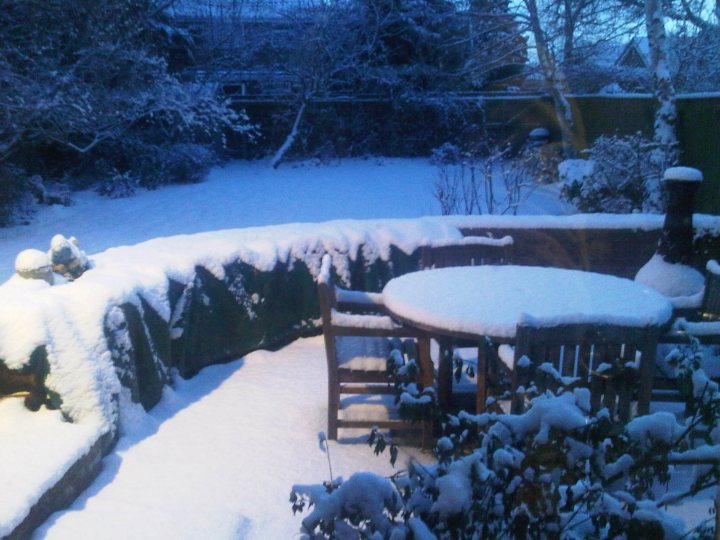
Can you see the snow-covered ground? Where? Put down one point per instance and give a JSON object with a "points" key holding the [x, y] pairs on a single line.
{"points": [[245, 194], [217, 457]]}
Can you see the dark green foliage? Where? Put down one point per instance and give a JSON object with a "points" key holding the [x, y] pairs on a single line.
{"points": [[117, 335], [87, 92], [215, 325], [138, 341], [150, 374], [216, 320], [158, 332]]}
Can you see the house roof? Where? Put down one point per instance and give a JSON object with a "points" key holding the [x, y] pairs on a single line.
{"points": [[635, 54]]}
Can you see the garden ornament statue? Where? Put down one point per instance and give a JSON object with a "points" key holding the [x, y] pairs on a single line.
{"points": [[64, 261]]}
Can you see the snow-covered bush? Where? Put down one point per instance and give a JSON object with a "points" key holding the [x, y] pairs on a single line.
{"points": [[119, 185], [181, 163], [471, 182], [83, 94], [623, 179], [556, 471], [186, 163]]}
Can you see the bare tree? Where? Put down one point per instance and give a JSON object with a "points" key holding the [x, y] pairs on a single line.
{"points": [[327, 49], [568, 33]]}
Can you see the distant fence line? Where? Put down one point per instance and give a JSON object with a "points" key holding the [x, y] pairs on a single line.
{"points": [[340, 127]]}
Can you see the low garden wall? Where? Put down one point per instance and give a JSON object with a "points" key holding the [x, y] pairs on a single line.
{"points": [[110, 341]]}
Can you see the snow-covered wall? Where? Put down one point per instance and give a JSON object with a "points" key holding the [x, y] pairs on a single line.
{"points": [[112, 339]]}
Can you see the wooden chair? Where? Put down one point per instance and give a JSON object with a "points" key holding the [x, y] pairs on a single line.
{"points": [[703, 323], [358, 341], [615, 362], [468, 251]]}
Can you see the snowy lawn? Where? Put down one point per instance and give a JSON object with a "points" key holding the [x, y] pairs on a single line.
{"points": [[245, 194], [217, 457]]}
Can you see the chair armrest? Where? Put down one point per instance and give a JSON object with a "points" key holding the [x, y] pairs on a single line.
{"points": [[359, 300], [353, 324], [682, 330]]}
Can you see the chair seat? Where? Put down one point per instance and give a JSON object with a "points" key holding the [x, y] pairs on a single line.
{"points": [[362, 353]]}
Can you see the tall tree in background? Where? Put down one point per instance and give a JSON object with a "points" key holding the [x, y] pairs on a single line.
{"points": [[666, 112], [496, 50], [568, 36], [391, 47], [327, 46], [555, 79]]}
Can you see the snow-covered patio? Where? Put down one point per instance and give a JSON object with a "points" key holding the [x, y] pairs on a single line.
{"points": [[218, 456]]}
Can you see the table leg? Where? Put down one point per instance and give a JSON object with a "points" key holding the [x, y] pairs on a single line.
{"points": [[426, 378], [445, 373], [482, 376]]}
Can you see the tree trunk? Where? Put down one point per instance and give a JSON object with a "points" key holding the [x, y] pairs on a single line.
{"points": [[557, 82], [666, 113], [290, 139]]}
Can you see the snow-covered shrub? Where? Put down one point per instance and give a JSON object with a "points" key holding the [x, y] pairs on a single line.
{"points": [[187, 163], [490, 181], [624, 177], [556, 471], [541, 161], [82, 106], [119, 185], [180, 163]]}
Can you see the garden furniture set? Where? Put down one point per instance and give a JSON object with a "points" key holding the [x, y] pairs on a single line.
{"points": [[538, 326]]}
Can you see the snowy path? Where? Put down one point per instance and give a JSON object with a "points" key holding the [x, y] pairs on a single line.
{"points": [[217, 457]]}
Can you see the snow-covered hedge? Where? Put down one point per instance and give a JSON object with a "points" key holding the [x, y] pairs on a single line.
{"points": [[112, 338]]}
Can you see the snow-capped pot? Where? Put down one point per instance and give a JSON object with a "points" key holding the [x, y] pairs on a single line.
{"points": [[538, 137], [669, 271], [683, 174], [66, 257], [34, 264]]}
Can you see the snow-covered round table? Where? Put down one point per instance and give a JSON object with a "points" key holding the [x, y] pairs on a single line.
{"points": [[479, 301]]}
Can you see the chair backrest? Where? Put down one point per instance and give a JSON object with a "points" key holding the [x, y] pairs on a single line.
{"points": [[615, 362], [468, 251], [711, 299]]}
